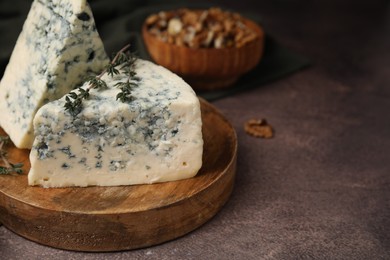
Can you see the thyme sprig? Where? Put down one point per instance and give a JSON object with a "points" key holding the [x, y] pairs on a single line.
{"points": [[8, 168], [74, 101]]}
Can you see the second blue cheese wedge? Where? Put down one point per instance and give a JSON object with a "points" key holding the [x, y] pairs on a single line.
{"points": [[156, 137], [57, 48]]}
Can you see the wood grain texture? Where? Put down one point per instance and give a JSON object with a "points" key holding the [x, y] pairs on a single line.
{"points": [[129, 217]]}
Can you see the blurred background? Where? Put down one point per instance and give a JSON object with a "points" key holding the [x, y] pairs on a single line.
{"points": [[307, 27], [320, 189]]}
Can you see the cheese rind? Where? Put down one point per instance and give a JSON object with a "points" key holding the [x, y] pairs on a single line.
{"points": [[157, 137], [58, 46]]}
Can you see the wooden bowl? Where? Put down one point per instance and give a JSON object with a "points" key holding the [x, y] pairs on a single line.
{"points": [[207, 68]]}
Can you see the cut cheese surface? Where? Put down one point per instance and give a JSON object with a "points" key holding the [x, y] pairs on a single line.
{"points": [[156, 137], [57, 48]]}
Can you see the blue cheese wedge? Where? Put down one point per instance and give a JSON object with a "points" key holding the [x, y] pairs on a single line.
{"points": [[58, 46], [156, 137]]}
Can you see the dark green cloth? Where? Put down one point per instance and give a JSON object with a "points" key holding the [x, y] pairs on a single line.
{"points": [[119, 22]]}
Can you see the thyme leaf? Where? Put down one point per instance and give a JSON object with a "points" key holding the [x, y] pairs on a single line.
{"points": [[8, 168], [74, 100]]}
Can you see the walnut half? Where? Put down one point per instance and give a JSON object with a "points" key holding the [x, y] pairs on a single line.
{"points": [[259, 128]]}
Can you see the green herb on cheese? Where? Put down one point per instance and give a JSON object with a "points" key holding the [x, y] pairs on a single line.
{"points": [[8, 168], [126, 61]]}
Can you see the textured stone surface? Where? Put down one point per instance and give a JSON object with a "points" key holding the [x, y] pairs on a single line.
{"points": [[320, 188]]}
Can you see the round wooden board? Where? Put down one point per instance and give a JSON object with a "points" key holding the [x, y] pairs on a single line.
{"points": [[126, 217]]}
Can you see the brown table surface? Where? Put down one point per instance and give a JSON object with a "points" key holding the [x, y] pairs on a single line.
{"points": [[320, 189]]}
